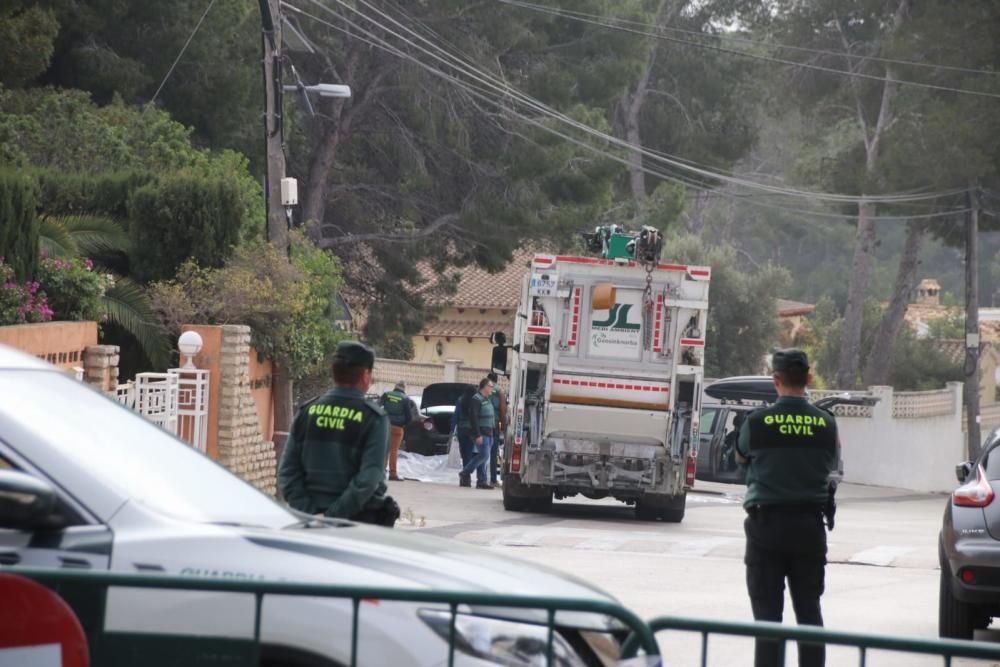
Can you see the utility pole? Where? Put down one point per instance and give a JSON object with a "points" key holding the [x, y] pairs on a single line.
{"points": [[972, 323], [277, 222]]}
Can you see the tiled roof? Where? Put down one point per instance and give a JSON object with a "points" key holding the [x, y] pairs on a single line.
{"points": [[468, 328], [788, 308], [925, 312], [954, 348], [478, 288]]}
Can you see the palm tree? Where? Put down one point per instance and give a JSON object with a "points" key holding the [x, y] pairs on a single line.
{"points": [[126, 304]]}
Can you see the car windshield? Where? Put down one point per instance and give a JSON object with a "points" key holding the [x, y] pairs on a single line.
{"points": [[123, 451]]}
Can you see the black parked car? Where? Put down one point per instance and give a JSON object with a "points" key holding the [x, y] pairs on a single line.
{"points": [[720, 422], [969, 547], [430, 432]]}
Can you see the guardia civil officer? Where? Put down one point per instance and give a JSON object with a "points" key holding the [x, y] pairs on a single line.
{"points": [[334, 459], [790, 448], [397, 406]]}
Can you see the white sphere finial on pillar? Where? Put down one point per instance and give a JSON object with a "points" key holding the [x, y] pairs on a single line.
{"points": [[189, 344]]}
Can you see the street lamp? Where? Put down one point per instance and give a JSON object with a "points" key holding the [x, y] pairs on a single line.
{"points": [[321, 89]]}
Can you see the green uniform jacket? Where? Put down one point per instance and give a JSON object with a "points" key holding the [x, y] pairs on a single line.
{"points": [[482, 421], [334, 459], [791, 449]]}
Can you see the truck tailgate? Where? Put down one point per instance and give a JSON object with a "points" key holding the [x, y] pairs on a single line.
{"points": [[604, 425]]}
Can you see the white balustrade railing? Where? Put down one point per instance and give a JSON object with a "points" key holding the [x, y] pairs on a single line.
{"points": [[177, 401]]}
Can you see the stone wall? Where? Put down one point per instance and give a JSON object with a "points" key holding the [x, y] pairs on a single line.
{"points": [[100, 367], [241, 446]]}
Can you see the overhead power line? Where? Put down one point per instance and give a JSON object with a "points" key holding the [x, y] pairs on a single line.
{"points": [[755, 42], [502, 87], [744, 54], [181, 54], [492, 98]]}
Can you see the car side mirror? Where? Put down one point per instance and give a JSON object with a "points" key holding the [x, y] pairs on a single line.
{"points": [[25, 502], [963, 470]]}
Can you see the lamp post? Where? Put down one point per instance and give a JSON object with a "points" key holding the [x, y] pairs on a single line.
{"points": [[280, 194]]}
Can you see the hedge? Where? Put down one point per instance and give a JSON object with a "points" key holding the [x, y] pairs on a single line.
{"points": [[183, 215], [19, 224]]}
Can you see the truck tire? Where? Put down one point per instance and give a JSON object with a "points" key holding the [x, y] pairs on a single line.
{"points": [[667, 508], [956, 619], [511, 502], [517, 497]]}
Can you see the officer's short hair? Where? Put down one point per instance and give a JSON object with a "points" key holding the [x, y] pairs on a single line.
{"points": [[484, 382], [347, 375], [792, 365]]}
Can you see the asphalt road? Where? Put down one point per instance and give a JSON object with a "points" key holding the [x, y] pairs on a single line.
{"points": [[882, 577]]}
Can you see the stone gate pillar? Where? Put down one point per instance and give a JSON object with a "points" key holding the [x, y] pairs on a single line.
{"points": [[236, 429]]}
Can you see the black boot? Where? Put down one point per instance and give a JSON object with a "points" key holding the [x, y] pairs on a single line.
{"points": [[464, 479]]}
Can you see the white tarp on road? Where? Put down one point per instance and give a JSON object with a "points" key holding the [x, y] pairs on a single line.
{"points": [[440, 468]]}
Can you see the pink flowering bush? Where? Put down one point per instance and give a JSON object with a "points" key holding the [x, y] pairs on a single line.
{"points": [[21, 303], [74, 290]]}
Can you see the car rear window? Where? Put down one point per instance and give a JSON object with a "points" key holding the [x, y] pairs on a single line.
{"points": [[991, 460]]}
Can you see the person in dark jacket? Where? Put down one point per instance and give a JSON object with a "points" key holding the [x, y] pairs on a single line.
{"points": [[481, 425], [460, 426], [397, 406], [790, 448], [334, 460]]}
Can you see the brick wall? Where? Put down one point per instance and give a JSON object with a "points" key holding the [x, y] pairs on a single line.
{"points": [[241, 446]]}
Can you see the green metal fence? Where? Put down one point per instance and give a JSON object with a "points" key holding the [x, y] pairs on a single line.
{"points": [[863, 642], [642, 636]]}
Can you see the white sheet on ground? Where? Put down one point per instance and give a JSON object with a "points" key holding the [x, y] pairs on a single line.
{"points": [[439, 468]]}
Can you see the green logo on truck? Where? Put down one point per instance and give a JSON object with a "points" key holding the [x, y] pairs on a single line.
{"points": [[618, 319]]}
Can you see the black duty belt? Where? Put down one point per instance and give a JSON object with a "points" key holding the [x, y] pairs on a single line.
{"points": [[785, 508]]}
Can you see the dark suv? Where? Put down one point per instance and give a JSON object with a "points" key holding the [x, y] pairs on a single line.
{"points": [[720, 422], [430, 432], [969, 547]]}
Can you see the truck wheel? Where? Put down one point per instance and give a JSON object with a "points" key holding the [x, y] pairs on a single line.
{"points": [[519, 498], [667, 508], [513, 503], [956, 619]]}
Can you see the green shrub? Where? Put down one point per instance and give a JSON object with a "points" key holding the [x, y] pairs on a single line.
{"points": [[18, 224], [75, 291], [183, 215], [290, 306], [62, 192]]}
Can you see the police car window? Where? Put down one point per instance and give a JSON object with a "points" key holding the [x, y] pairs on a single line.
{"points": [[107, 446], [6, 465]]}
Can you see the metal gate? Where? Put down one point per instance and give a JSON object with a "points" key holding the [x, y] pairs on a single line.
{"points": [[177, 401]]}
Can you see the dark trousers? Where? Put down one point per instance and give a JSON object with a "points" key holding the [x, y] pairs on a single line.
{"points": [[466, 447], [785, 544]]}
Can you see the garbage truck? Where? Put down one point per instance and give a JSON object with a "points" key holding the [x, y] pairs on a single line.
{"points": [[606, 367]]}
